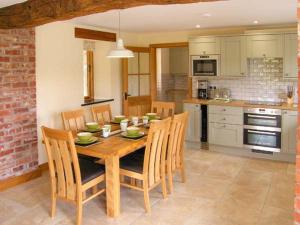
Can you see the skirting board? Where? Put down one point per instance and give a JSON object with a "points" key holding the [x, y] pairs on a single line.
{"points": [[14, 181]]}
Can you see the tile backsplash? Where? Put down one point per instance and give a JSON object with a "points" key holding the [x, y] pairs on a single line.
{"points": [[264, 82]]}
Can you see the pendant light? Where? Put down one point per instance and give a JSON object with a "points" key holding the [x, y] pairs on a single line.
{"points": [[120, 51]]}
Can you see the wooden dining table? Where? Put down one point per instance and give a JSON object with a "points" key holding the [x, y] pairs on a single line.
{"points": [[111, 149]]}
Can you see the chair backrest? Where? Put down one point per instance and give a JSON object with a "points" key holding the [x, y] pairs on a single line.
{"points": [[63, 163], [102, 113], [163, 109], [73, 120], [138, 105], [155, 152], [176, 140]]}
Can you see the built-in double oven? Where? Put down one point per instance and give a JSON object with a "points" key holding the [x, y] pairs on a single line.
{"points": [[262, 129]]}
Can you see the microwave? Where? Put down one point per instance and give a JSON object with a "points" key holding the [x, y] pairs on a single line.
{"points": [[205, 65]]}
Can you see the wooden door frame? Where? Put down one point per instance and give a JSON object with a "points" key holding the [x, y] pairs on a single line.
{"points": [[153, 75], [125, 74]]}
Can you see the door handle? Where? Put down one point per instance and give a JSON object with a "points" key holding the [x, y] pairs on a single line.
{"points": [[261, 132], [126, 95]]}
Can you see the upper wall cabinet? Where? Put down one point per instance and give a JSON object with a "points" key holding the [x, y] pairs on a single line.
{"points": [[204, 46], [233, 56], [265, 45], [290, 56]]}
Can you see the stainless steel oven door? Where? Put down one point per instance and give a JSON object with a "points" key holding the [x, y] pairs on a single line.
{"points": [[261, 120], [262, 140]]}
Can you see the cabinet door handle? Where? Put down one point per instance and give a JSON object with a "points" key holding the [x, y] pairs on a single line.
{"points": [[242, 73], [264, 55], [286, 74]]}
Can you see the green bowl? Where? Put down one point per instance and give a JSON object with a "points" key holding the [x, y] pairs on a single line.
{"points": [[92, 125], [84, 136], [132, 131], [151, 116], [118, 119]]}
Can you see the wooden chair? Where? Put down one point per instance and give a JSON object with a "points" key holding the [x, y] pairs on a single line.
{"points": [[74, 120], [70, 177], [163, 109], [102, 114], [175, 152], [150, 169]]}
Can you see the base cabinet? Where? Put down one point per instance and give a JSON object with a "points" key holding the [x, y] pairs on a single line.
{"points": [[289, 132], [193, 131], [226, 134]]}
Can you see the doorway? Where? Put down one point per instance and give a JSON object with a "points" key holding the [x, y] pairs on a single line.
{"points": [[172, 69]]}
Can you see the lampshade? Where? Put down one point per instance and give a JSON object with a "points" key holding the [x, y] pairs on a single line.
{"points": [[120, 51]]}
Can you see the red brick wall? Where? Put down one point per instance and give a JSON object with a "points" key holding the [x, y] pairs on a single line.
{"points": [[18, 130]]}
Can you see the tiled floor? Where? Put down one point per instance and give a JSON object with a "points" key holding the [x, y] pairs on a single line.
{"points": [[220, 190]]}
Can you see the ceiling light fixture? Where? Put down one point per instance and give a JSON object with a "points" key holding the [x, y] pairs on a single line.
{"points": [[198, 26], [206, 15], [120, 51], [255, 21]]}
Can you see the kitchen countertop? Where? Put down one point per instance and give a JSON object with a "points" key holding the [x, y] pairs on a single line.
{"points": [[239, 103]]}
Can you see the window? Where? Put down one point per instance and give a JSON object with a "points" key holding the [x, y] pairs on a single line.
{"points": [[88, 75]]}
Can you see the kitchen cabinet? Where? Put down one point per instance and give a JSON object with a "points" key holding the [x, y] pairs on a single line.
{"points": [[226, 134], [225, 110], [193, 131], [265, 45], [225, 125], [290, 56], [204, 46], [289, 131], [233, 56]]}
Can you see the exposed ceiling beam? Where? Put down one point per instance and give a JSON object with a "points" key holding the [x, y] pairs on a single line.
{"points": [[37, 12]]}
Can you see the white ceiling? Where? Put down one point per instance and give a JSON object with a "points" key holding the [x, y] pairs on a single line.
{"points": [[187, 16], [4, 3]]}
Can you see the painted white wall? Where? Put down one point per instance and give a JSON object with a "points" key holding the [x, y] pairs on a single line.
{"points": [[59, 76]]}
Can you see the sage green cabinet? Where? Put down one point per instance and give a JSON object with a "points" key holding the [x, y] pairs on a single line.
{"points": [[290, 56], [204, 46], [225, 125], [193, 131], [265, 45], [233, 56], [226, 134], [289, 131]]}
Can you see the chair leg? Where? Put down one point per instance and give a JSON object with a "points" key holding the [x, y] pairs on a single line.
{"points": [[122, 179], [53, 204], [79, 213], [182, 173], [164, 187], [146, 197], [170, 180], [132, 181], [95, 189]]}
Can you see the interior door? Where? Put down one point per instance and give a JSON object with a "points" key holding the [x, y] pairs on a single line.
{"points": [[137, 83]]}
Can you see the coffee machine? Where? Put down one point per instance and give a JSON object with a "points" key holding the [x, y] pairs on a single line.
{"points": [[203, 89]]}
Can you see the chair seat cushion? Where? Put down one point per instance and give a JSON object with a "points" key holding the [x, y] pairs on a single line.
{"points": [[138, 154], [90, 170], [132, 163]]}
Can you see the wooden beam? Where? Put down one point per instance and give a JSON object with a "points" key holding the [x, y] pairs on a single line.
{"points": [[37, 12], [94, 35], [170, 45]]}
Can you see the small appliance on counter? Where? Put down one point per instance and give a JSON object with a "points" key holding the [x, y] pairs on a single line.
{"points": [[202, 89], [290, 95]]}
